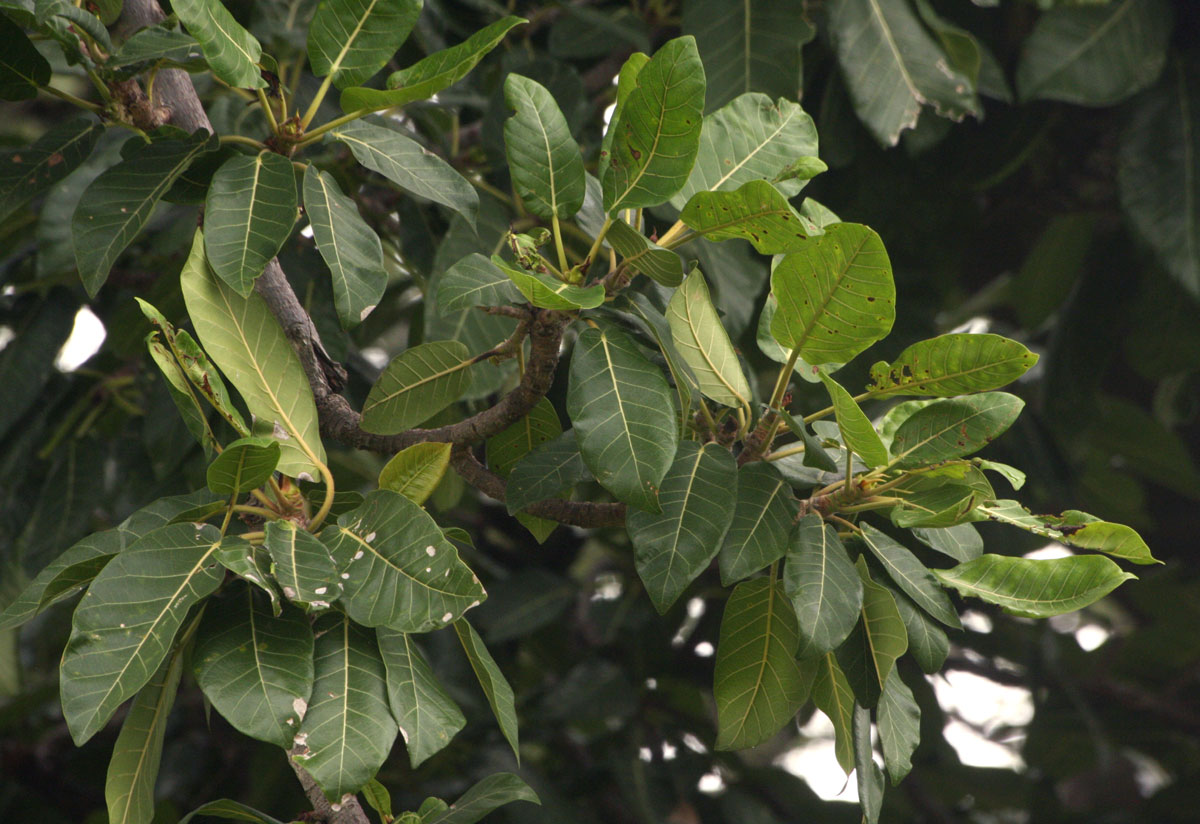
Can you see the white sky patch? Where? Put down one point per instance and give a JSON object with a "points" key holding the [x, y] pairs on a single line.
{"points": [[976, 621], [704, 650], [85, 340], [375, 356], [982, 706], [6, 336], [307, 231], [711, 784], [975, 750], [1091, 636], [1049, 552], [608, 113]]}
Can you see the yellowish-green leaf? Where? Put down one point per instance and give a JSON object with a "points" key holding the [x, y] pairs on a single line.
{"points": [[1036, 588], [417, 384], [704, 344], [416, 471]]}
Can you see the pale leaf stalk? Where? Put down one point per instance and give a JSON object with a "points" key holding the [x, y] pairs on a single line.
{"points": [[558, 243], [595, 250], [268, 111]]}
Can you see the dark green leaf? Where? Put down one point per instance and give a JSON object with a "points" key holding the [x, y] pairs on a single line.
{"points": [[161, 44], [1036, 588], [832, 695], [232, 52], [417, 384], [952, 365], [543, 158], [911, 576], [878, 640], [899, 720], [22, 67], [762, 519], [491, 679], [245, 464], [230, 810], [822, 585], [302, 565], [30, 171], [641, 254], [867, 773], [507, 448], [492, 792], [943, 496], [949, 429], [756, 212], [350, 40], [927, 642], [475, 281], [962, 542], [62, 577], [427, 716], [545, 471], [27, 361]]}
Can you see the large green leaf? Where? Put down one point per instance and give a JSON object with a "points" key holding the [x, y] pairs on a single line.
{"points": [[427, 716], [626, 83], [876, 642], [758, 686], [928, 643], [1095, 55], [641, 254], [430, 75], [623, 417], [657, 131], [244, 339], [671, 548], [133, 769], [961, 542], [892, 67], [704, 345], [248, 215], [416, 471], [475, 281], [1036, 588], [1075, 528], [125, 625], [1158, 171], [506, 449], [495, 686], [118, 203], [245, 464], [398, 570], [953, 364], [256, 668], [302, 565], [749, 46], [836, 297], [545, 471], [22, 67], [350, 40], [762, 519], [62, 577], [348, 730], [913, 577], [494, 791], [548, 292], [832, 695], [406, 163], [821, 583], [232, 52], [350, 247], [952, 428], [899, 721], [751, 138], [417, 384], [543, 158], [31, 170], [756, 212], [858, 433]]}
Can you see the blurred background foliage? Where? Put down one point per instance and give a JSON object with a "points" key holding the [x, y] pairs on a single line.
{"points": [[1034, 170]]}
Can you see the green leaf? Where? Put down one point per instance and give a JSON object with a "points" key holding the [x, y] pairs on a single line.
{"points": [[892, 67], [644, 313], [927, 642], [762, 519], [379, 799], [704, 344], [961, 542], [832, 695], [475, 281], [507, 448], [1036, 588], [231, 810], [22, 67], [1014, 476], [626, 83], [876, 642], [348, 730], [232, 53], [899, 721], [407, 164], [821, 583], [543, 158], [350, 40], [955, 364], [239, 557], [350, 247], [1158, 171], [913, 577], [751, 138], [133, 769], [836, 297], [868, 776], [858, 433], [749, 45], [195, 416], [248, 215], [245, 464], [256, 668], [950, 429], [245, 340], [548, 292], [491, 679], [492, 792], [398, 570], [1074, 528], [944, 496], [126, 623], [302, 565], [118, 203], [771, 348], [31, 170], [427, 715], [671, 548], [545, 471], [641, 254], [81, 19], [416, 471], [62, 577], [756, 212], [657, 131], [758, 686], [814, 454], [417, 384], [161, 45], [1095, 55], [430, 75], [624, 420]]}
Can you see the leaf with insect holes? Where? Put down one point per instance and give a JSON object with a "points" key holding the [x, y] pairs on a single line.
{"points": [[756, 212]]}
